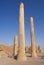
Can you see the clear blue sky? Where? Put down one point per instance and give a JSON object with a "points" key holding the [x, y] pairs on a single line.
{"points": [[9, 19]]}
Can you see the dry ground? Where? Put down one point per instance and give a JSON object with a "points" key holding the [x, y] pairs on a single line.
{"points": [[5, 60]]}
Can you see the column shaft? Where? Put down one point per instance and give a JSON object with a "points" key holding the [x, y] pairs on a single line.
{"points": [[21, 55], [15, 46], [33, 46]]}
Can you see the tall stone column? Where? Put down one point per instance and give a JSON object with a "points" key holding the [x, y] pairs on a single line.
{"points": [[21, 55], [33, 46], [15, 46]]}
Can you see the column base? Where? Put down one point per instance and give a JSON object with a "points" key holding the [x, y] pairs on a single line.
{"points": [[22, 57], [34, 54]]}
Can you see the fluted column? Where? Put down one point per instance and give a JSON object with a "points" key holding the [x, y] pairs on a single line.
{"points": [[15, 46], [33, 46], [21, 55]]}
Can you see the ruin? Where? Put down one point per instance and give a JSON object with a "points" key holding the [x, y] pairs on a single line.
{"points": [[33, 46], [21, 54], [15, 46]]}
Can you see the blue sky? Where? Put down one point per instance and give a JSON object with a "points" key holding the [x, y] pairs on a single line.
{"points": [[9, 20]]}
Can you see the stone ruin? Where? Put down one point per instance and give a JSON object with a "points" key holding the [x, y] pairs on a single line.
{"points": [[21, 43]]}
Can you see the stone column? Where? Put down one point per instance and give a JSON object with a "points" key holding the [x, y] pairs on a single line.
{"points": [[33, 46], [21, 55], [15, 46]]}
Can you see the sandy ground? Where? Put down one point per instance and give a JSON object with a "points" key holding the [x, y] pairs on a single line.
{"points": [[5, 60]]}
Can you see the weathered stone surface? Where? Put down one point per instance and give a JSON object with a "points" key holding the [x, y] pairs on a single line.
{"points": [[33, 46], [15, 46], [0, 56], [21, 55]]}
